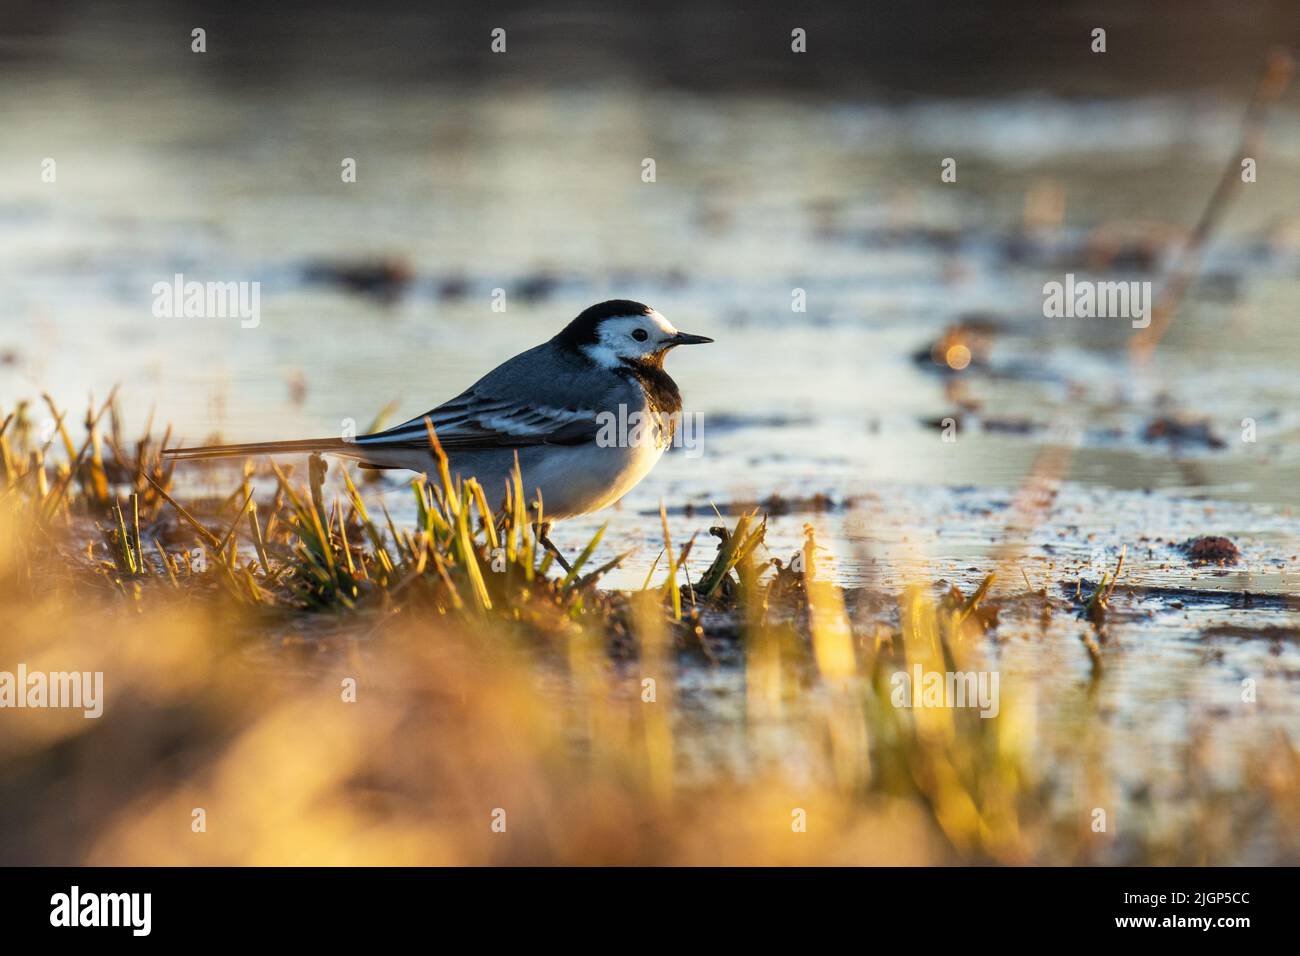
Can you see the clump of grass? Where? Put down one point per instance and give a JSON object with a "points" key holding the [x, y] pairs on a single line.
{"points": [[1098, 603], [968, 769], [303, 550], [52, 486], [736, 550], [462, 557]]}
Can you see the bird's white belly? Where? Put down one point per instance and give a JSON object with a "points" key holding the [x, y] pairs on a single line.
{"points": [[576, 481]]}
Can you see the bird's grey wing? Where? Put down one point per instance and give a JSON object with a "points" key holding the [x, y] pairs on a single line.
{"points": [[537, 398]]}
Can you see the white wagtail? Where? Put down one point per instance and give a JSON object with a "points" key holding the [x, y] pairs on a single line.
{"points": [[546, 406]]}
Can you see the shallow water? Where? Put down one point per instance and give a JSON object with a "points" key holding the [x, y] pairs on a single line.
{"points": [[543, 191]]}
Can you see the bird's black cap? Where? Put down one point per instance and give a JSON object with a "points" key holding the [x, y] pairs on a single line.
{"points": [[582, 330]]}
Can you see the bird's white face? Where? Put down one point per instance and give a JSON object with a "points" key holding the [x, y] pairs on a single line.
{"points": [[634, 337]]}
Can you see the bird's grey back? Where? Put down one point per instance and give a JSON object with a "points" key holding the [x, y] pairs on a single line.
{"points": [[547, 376]]}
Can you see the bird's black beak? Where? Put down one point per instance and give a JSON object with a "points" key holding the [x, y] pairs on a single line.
{"points": [[685, 338]]}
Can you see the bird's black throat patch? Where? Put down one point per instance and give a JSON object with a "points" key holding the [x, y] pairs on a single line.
{"points": [[661, 391]]}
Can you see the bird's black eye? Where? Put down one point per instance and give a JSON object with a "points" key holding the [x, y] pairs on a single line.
{"points": [[640, 334]]}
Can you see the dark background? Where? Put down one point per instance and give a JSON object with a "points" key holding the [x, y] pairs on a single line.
{"points": [[895, 48]]}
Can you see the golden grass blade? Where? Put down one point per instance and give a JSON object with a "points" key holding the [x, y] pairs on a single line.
{"points": [[584, 556]]}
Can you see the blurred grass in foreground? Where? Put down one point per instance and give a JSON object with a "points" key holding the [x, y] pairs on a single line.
{"points": [[227, 631]]}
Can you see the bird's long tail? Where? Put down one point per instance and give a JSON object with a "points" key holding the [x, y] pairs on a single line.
{"points": [[302, 446]]}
